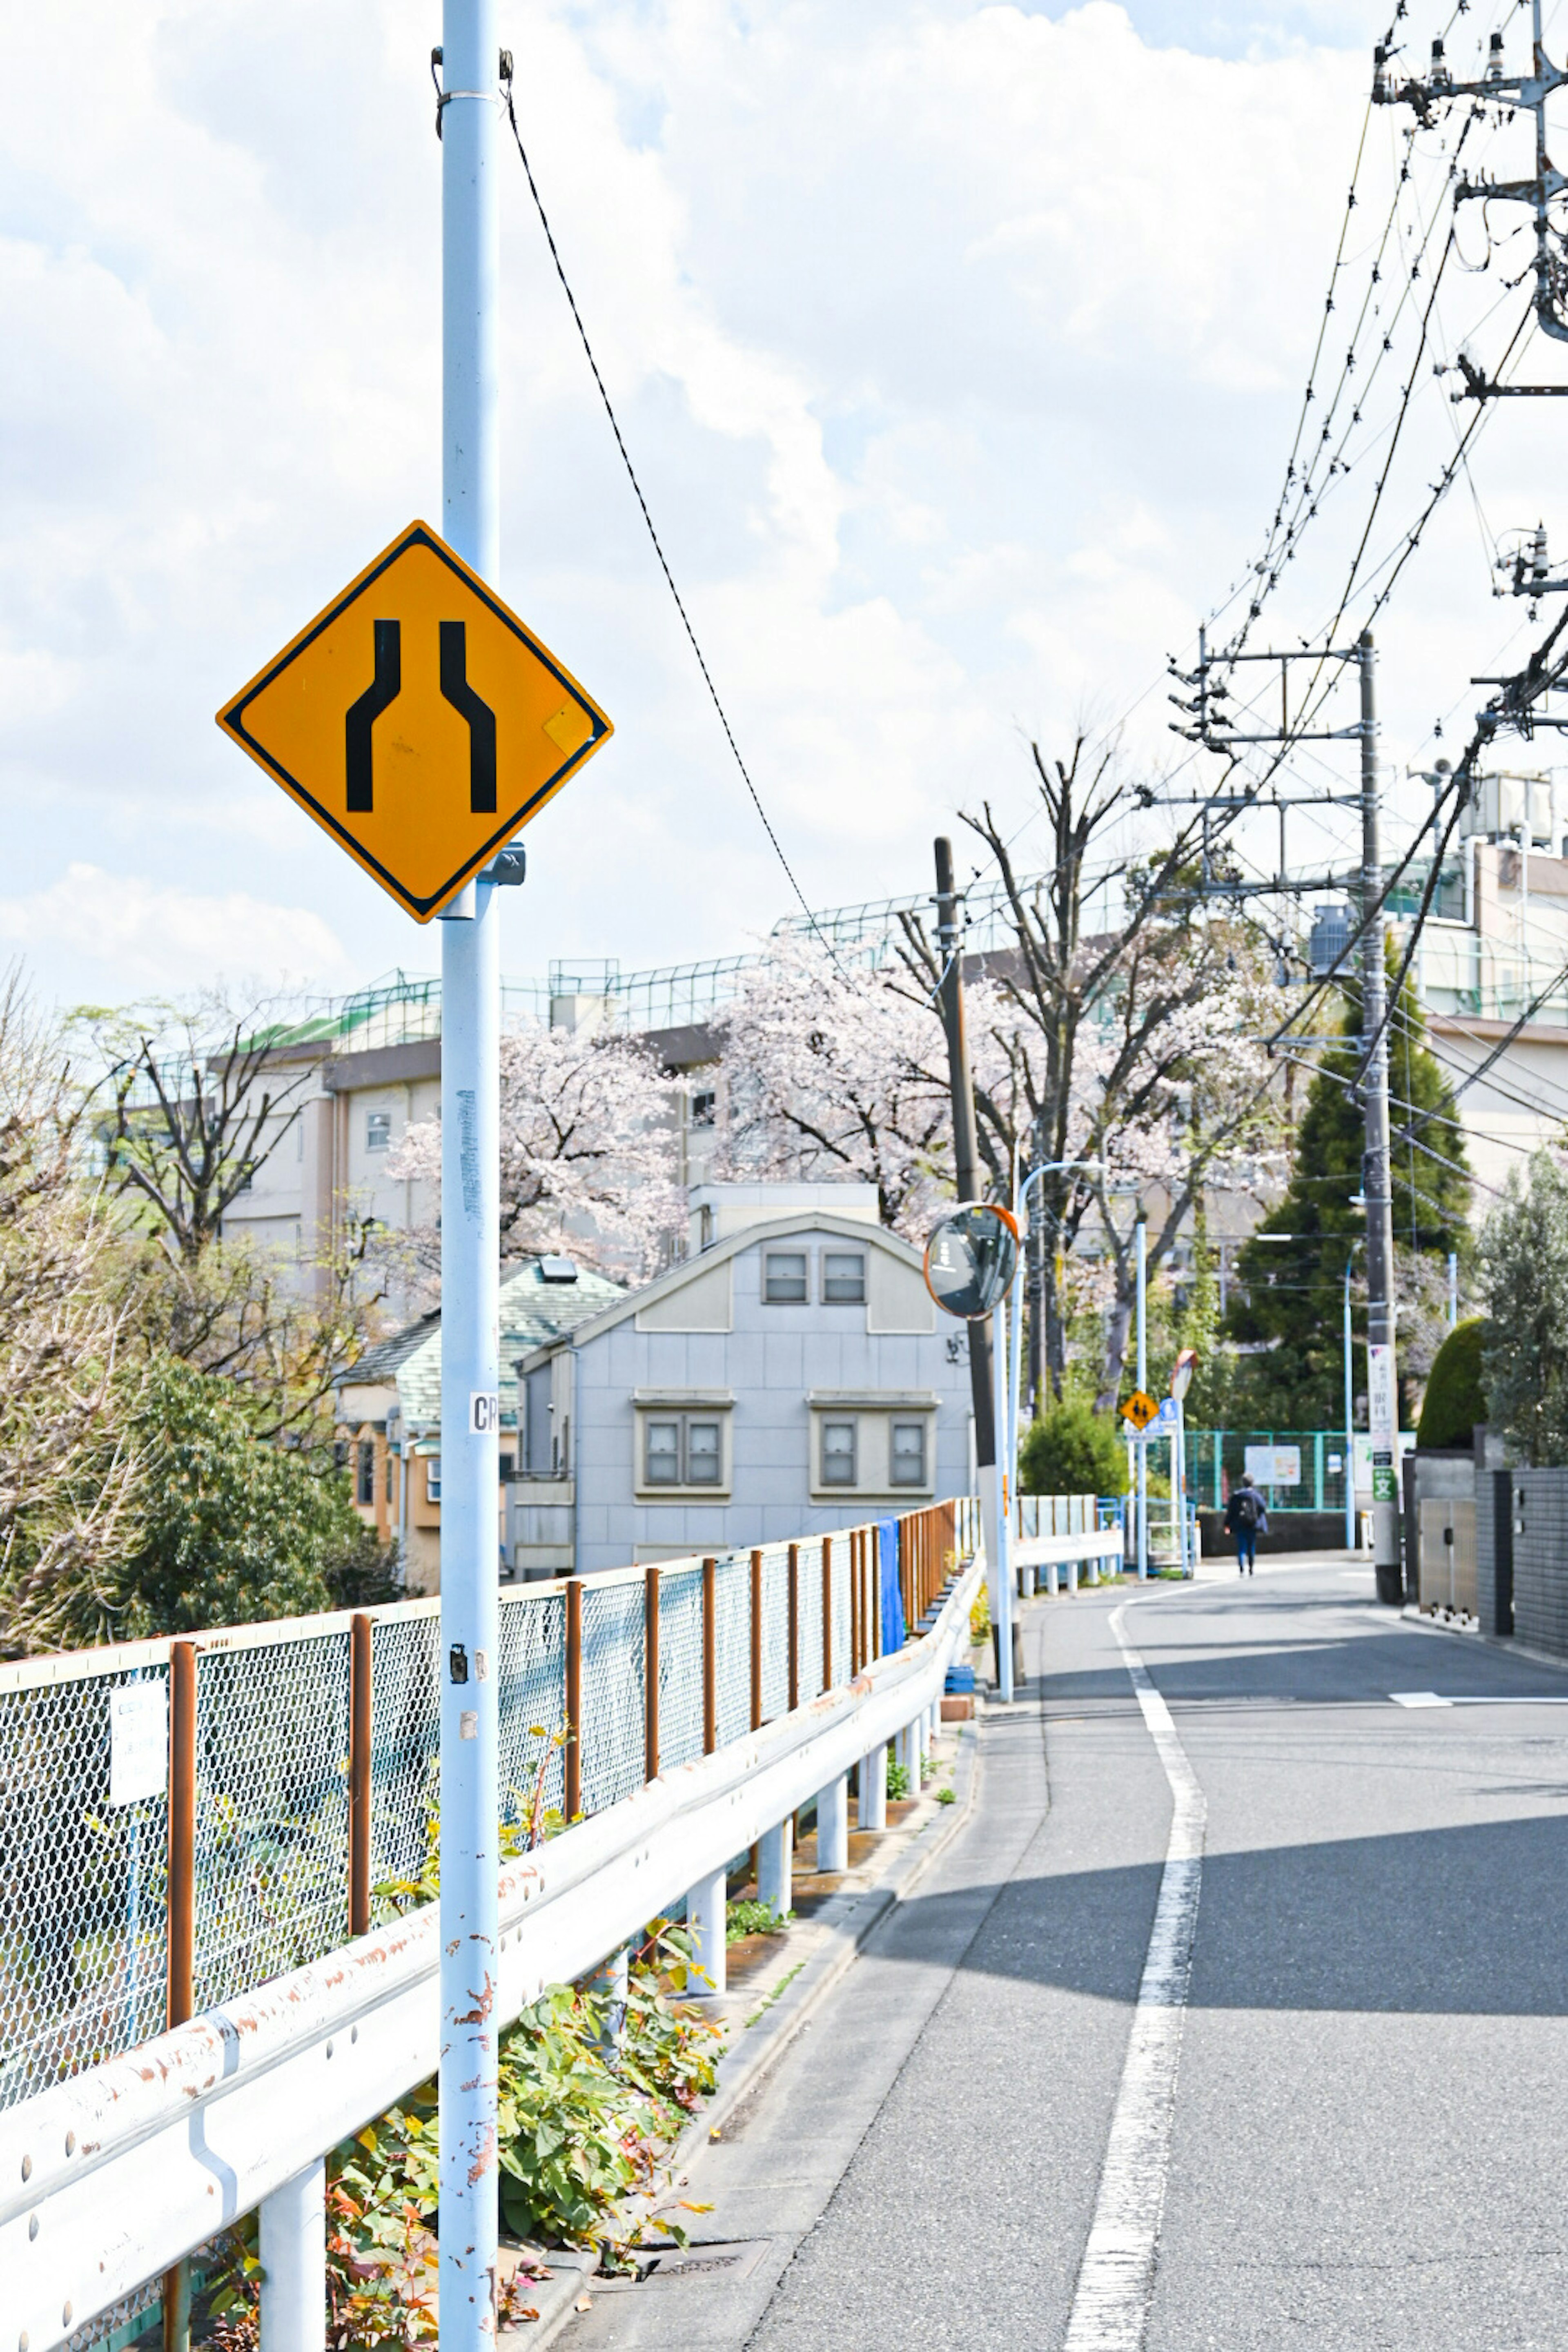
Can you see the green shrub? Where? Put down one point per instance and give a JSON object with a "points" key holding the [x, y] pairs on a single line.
{"points": [[742, 1918], [1455, 1400], [236, 1528], [1072, 1451], [897, 1781]]}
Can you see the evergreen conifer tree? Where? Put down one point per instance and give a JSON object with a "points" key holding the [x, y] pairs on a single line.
{"points": [[1289, 1290]]}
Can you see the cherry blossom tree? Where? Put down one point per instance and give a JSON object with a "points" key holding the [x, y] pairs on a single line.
{"points": [[1132, 1045], [588, 1159], [838, 1074]]}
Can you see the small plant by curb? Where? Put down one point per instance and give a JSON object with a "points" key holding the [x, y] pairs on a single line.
{"points": [[748, 1918]]}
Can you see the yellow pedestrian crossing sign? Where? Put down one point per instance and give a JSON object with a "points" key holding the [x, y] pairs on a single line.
{"points": [[1139, 1409], [418, 721]]}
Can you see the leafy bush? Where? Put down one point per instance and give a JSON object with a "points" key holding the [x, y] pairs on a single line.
{"points": [[743, 1919], [234, 1527], [1072, 1450], [947, 1796], [897, 1781], [1455, 1400]]}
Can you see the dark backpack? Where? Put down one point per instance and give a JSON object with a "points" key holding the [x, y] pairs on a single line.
{"points": [[1246, 1509]]}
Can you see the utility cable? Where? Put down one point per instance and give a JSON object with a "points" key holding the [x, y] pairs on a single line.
{"points": [[653, 535]]}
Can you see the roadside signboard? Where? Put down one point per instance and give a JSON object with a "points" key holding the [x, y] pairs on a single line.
{"points": [[1139, 1409], [1273, 1465], [418, 721], [970, 1258]]}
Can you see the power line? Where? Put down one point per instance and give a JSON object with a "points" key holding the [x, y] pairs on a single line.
{"points": [[653, 535]]}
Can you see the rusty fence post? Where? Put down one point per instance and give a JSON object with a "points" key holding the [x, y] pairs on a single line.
{"points": [[573, 1697], [361, 1654], [180, 1992], [709, 1656], [650, 1670], [793, 1627], [854, 1602], [756, 1641]]}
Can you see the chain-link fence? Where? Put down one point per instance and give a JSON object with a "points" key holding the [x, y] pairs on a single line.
{"points": [[245, 1760]]}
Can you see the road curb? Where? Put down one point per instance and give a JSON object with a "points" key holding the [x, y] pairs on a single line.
{"points": [[1504, 1644], [760, 2046]]}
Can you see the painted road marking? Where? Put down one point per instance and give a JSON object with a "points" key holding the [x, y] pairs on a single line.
{"points": [[1431, 1698], [1116, 2282]]}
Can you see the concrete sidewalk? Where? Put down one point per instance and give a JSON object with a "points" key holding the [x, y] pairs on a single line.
{"points": [[954, 2091]]}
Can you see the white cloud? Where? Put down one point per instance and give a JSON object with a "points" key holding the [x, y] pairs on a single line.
{"points": [[100, 936], [958, 348]]}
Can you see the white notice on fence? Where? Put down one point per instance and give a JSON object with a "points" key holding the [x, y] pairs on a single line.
{"points": [[138, 1742], [1273, 1465]]}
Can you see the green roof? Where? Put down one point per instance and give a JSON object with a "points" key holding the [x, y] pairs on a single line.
{"points": [[532, 1312]]}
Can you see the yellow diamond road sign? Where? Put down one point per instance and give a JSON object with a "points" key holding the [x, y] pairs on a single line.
{"points": [[418, 721], [1139, 1409]]}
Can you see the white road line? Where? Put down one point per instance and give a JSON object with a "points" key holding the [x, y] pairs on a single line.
{"points": [[1496, 1698], [1116, 2282]]}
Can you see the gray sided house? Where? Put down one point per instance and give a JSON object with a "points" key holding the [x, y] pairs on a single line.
{"points": [[791, 1377]]}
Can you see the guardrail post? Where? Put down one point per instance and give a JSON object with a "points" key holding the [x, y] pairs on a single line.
{"points": [[776, 1867], [294, 2263], [833, 1824], [908, 1754], [707, 1917], [709, 1656], [872, 1813], [610, 1983], [180, 1997], [573, 1801], [360, 1720], [650, 1672]]}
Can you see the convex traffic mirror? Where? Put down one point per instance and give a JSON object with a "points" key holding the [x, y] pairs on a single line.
{"points": [[970, 1258]]}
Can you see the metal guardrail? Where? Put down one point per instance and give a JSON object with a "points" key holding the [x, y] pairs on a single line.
{"points": [[275, 1865], [119, 2169]]}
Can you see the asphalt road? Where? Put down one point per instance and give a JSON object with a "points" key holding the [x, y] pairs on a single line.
{"points": [[1370, 2143]]}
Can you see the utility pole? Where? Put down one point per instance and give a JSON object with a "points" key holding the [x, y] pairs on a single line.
{"points": [[470, 1241], [1142, 1384], [1383, 1415], [966, 1171]]}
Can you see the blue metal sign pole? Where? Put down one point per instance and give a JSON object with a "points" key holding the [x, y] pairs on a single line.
{"points": [[470, 1038]]}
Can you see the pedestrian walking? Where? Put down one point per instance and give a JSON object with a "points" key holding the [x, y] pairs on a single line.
{"points": [[1246, 1518]]}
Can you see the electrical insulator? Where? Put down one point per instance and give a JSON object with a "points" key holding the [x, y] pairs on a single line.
{"points": [[1494, 58], [1439, 73]]}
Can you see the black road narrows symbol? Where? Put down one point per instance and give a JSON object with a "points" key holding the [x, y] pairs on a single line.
{"points": [[358, 745], [482, 719], [359, 754]]}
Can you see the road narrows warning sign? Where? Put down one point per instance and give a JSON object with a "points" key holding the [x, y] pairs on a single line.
{"points": [[418, 721]]}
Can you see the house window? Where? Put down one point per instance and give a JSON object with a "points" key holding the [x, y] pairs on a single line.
{"points": [[378, 1131], [364, 1482], [909, 1453], [682, 1450], [433, 1477], [704, 1107], [784, 1278], [843, 1279], [391, 1457], [839, 1448]]}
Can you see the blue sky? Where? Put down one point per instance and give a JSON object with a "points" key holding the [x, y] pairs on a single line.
{"points": [[959, 347]]}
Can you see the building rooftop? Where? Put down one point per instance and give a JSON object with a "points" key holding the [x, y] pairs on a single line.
{"points": [[540, 1301]]}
